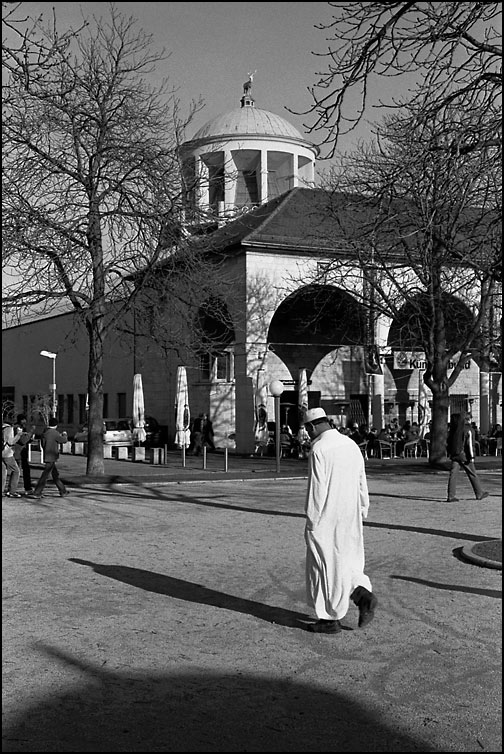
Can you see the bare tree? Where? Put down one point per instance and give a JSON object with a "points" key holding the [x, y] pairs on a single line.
{"points": [[90, 177], [422, 226], [452, 50]]}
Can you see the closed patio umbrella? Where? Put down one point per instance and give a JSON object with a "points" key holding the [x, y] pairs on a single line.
{"points": [[261, 399], [302, 394], [182, 411], [139, 434]]}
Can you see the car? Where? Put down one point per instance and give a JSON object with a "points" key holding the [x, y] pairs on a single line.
{"points": [[116, 432]]}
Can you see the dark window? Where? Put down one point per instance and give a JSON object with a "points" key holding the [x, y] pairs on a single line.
{"points": [[105, 404], [216, 187], [60, 409], [223, 367], [82, 408], [121, 404], [70, 409], [246, 188], [205, 366]]}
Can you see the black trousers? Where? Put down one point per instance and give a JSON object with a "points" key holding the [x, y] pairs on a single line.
{"points": [[24, 464], [50, 468]]}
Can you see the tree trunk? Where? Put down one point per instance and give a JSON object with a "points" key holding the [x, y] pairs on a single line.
{"points": [[440, 405], [95, 463]]}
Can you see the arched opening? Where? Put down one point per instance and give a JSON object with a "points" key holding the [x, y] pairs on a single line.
{"points": [[411, 327], [313, 321]]}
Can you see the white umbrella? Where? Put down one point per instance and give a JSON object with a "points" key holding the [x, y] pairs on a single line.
{"points": [[139, 434], [182, 412], [261, 399], [302, 394], [424, 411], [261, 412]]}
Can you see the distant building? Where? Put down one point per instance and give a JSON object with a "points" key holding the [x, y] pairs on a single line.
{"points": [[254, 172]]}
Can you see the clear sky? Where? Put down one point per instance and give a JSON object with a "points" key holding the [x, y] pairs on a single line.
{"points": [[214, 45]]}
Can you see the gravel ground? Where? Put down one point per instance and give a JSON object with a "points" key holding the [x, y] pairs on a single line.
{"points": [[169, 617]]}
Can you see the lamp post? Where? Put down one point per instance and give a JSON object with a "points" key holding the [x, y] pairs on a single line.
{"points": [[276, 389], [52, 386]]}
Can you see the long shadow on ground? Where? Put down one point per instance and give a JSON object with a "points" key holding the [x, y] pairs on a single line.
{"points": [[196, 711], [191, 592]]}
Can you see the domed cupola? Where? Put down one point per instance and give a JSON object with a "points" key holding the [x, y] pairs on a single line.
{"points": [[245, 157]]}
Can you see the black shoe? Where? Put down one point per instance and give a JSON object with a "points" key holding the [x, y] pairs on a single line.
{"points": [[33, 496], [483, 495], [63, 494], [366, 602], [452, 500], [324, 627]]}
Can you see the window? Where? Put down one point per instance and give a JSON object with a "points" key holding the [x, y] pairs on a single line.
{"points": [[121, 404], [105, 404], [217, 367], [82, 408], [60, 409], [223, 367], [205, 366], [70, 409]]}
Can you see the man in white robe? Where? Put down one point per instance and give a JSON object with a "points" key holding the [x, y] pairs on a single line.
{"points": [[337, 501]]}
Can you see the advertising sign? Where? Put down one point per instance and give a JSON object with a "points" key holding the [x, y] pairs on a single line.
{"points": [[416, 360]]}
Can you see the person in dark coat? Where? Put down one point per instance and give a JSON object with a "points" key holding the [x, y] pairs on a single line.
{"points": [[51, 440], [460, 450], [202, 434]]}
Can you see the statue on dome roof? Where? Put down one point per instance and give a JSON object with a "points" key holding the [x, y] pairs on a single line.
{"points": [[248, 84]]}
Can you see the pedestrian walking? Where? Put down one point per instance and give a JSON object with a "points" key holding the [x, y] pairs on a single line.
{"points": [[460, 450], [208, 432], [51, 440], [337, 501], [9, 464], [21, 450]]}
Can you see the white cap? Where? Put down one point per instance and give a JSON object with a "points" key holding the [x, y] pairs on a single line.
{"points": [[314, 413]]}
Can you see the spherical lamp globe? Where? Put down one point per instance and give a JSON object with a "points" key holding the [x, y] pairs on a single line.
{"points": [[276, 388]]}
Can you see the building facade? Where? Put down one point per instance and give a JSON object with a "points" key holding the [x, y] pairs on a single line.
{"points": [[253, 173]]}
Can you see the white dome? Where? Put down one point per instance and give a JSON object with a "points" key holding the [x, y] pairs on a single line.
{"points": [[248, 121]]}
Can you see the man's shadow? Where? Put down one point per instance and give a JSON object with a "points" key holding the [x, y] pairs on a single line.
{"points": [[187, 590]]}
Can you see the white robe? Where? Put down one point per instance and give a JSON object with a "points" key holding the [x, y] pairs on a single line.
{"points": [[337, 500]]}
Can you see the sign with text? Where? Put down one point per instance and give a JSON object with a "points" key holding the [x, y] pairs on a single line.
{"points": [[416, 360]]}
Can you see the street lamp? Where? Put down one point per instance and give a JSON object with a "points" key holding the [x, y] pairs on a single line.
{"points": [[52, 386], [276, 389]]}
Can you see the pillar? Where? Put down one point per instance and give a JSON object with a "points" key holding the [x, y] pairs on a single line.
{"points": [[263, 189], [294, 171]]}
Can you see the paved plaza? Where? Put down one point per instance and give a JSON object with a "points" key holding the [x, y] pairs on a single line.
{"points": [[162, 610]]}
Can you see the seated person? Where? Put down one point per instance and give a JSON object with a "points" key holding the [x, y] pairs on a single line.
{"points": [[356, 435], [286, 440], [373, 446], [394, 429]]}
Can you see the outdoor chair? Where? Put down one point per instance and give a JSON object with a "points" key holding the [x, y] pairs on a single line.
{"points": [[411, 449], [364, 446], [385, 449]]}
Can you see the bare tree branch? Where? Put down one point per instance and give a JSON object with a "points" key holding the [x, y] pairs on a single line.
{"points": [[454, 50]]}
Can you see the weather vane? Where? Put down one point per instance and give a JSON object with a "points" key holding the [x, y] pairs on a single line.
{"points": [[248, 84]]}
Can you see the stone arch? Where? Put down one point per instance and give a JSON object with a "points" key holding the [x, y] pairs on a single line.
{"points": [[413, 319], [317, 319]]}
